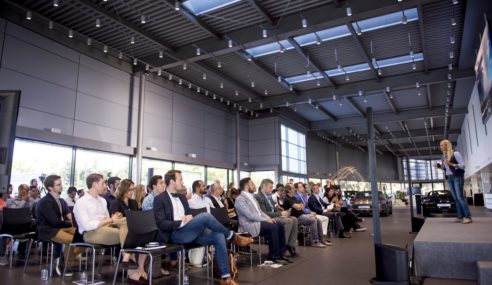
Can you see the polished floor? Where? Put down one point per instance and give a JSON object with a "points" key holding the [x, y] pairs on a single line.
{"points": [[348, 261]]}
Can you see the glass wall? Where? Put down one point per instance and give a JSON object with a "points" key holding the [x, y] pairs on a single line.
{"points": [[190, 172], [258, 176], [152, 167], [421, 169], [106, 164], [33, 159], [293, 150], [217, 174]]}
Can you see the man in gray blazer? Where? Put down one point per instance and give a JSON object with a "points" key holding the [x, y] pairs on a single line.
{"points": [[254, 221], [281, 217]]}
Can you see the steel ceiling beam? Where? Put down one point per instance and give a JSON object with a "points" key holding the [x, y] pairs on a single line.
{"points": [[355, 107], [417, 133], [429, 97], [306, 56], [321, 17], [362, 50], [192, 18], [262, 11], [323, 110], [390, 102], [386, 117], [372, 87], [422, 36]]}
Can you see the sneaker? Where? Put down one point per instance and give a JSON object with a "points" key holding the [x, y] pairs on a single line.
{"points": [[458, 221], [318, 244], [326, 242], [361, 229], [4, 261], [467, 221]]}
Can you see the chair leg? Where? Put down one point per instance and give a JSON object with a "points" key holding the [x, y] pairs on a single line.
{"points": [[51, 259], [93, 264], [259, 249], [28, 249], [117, 266], [66, 262], [151, 263], [11, 251]]}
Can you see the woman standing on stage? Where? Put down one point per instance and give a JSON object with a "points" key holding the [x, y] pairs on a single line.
{"points": [[454, 167]]}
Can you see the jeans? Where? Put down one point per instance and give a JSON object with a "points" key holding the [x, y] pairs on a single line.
{"points": [[276, 238], [204, 229], [456, 186], [313, 224]]}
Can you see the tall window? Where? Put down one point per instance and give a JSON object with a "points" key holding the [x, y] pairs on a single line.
{"points": [[32, 159], [152, 167], [217, 174], [293, 150], [190, 173], [422, 169], [106, 164], [258, 176]]}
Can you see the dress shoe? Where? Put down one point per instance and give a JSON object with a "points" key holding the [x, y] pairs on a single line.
{"points": [[326, 242], [241, 241], [228, 281], [292, 251], [140, 281], [361, 229], [279, 261], [318, 244], [286, 258], [467, 221]]}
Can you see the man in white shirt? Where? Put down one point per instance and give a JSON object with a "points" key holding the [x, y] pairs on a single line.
{"points": [[198, 199]]}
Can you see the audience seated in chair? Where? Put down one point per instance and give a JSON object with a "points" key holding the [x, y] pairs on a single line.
{"points": [[124, 198], [254, 221], [178, 226], [282, 217]]}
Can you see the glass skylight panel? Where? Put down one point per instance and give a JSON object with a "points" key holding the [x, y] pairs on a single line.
{"points": [[399, 60], [324, 35], [199, 7], [269, 48], [348, 69], [303, 77], [386, 20]]}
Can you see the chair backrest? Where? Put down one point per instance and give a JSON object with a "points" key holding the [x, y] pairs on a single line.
{"points": [[142, 228], [195, 212], [17, 217], [221, 215]]}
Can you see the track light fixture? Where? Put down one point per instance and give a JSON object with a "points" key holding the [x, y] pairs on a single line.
{"points": [[198, 51], [304, 22], [349, 11], [236, 93], [132, 40], [135, 62], [219, 64], [56, 3], [70, 33], [453, 21], [98, 23], [147, 67], [105, 48], [180, 81], [89, 41], [177, 6], [28, 15], [161, 54], [159, 72], [249, 99], [264, 33], [230, 43], [120, 55], [185, 66], [51, 25], [221, 85], [143, 20], [204, 76]]}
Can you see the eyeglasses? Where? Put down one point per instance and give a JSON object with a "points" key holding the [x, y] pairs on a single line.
{"points": [[58, 184]]}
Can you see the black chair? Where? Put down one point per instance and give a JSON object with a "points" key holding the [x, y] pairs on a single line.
{"points": [[17, 225], [142, 229]]}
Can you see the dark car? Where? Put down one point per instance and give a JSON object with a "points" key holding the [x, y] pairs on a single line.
{"points": [[439, 202], [362, 203]]}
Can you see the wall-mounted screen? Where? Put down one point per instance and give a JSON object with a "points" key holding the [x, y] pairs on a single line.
{"points": [[483, 71]]}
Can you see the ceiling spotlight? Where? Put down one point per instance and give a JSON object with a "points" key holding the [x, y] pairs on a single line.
{"points": [[414, 66], [120, 55], [221, 85], [449, 85], [317, 83], [189, 85], [287, 104], [185, 66], [380, 71], [170, 76], [452, 39], [161, 54], [404, 19], [147, 67], [98, 23], [261, 105], [318, 39], [240, 108], [28, 15], [417, 84], [419, 93], [308, 73], [89, 41], [347, 77], [252, 84], [229, 43], [266, 92], [264, 33], [304, 23], [388, 89], [177, 6], [295, 109], [317, 107], [282, 50], [271, 110], [391, 96], [159, 72], [454, 2], [198, 51], [249, 99], [236, 93], [204, 76], [365, 100], [450, 76], [279, 78], [221, 99], [361, 92], [358, 30], [219, 64], [70, 33], [56, 3], [51, 25], [334, 97], [453, 21], [143, 20], [291, 87], [340, 104], [105, 48], [180, 81], [228, 103], [450, 66], [257, 115], [250, 58], [132, 40], [197, 89], [135, 62], [214, 97], [451, 54], [349, 11]]}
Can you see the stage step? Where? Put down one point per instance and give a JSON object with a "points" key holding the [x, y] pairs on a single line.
{"points": [[484, 272]]}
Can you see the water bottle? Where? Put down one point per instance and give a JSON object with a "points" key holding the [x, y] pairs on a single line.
{"points": [[44, 274], [186, 279], [83, 277]]}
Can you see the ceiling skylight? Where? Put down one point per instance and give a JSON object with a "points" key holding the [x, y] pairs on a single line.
{"points": [[303, 77], [399, 60], [270, 48], [348, 69], [199, 7], [384, 21], [323, 35]]}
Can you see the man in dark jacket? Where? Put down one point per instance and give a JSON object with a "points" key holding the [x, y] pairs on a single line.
{"points": [[177, 225], [53, 217]]}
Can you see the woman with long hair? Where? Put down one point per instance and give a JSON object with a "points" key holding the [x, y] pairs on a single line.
{"points": [[140, 195], [453, 165], [124, 198]]}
